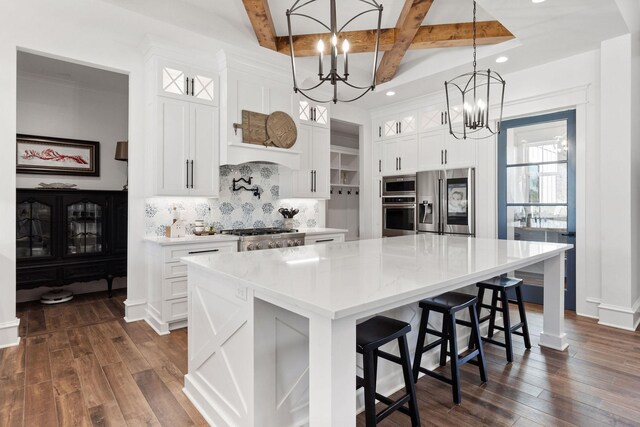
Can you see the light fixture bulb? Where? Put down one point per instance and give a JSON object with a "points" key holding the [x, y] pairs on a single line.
{"points": [[320, 46], [481, 103], [345, 46], [334, 40]]}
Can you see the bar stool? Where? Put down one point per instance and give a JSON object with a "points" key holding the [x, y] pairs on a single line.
{"points": [[370, 336], [449, 304], [499, 286]]}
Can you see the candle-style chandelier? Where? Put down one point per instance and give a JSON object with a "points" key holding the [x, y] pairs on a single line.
{"points": [[471, 92], [336, 37]]}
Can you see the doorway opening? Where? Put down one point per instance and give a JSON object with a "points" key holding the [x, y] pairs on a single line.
{"points": [[537, 192], [71, 176], [343, 208]]}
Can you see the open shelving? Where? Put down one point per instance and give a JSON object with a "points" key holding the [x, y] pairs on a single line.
{"points": [[344, 167]]}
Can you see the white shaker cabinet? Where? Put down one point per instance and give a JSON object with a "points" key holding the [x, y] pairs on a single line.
{"points": [[313, 113], [187, 163], [400, 156], [312, 180], [438, 149]]}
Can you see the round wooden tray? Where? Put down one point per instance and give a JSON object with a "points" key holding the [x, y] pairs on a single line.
{"points": [[281, 130]]}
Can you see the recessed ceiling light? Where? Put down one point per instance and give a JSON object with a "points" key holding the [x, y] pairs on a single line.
{"points": [[501, 59], [537, 1], [390, 93]]}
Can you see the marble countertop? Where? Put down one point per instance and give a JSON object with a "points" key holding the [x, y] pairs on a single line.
{"points": [[342, 279], [317, 231], [163, 241]]}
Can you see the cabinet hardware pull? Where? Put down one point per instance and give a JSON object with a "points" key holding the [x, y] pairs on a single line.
{"points": [[187, 173], [379, 131], [380, 188], [400, 162], [441, 118], [446, 114], [187, 82], [203, 252], [324, 240], [192, 90], [315, 181], [445, 157], [400, 126], [379, 165], [191, 173]]}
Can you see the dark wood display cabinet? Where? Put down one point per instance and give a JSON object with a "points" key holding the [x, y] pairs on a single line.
{"points": [[69, 236]]}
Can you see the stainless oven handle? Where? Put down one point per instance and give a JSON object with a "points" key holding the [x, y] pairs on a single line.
{"points": [[399, 205]]}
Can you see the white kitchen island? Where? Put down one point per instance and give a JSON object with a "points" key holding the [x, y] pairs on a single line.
{"points": [[272, 333]]}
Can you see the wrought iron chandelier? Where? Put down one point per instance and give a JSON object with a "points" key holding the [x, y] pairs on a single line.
{"points": [[335, 37], [471, 92]]}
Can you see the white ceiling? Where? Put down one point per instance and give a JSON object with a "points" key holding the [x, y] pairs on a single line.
{"points": [[544, 32], [68, 72]]}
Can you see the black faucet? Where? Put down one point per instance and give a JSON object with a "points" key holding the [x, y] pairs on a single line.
{"points": [[255, 190]]}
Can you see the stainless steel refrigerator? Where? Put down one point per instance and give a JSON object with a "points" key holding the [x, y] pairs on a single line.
{"points": [[446, 201]]}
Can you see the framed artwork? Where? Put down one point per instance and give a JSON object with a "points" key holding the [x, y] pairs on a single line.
{"points": [[57, 156]]}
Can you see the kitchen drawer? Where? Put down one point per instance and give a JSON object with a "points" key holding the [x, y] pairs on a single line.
{"points": [[174, 288], [174, 253], [174, 269], [175, 309], [324, 238]]}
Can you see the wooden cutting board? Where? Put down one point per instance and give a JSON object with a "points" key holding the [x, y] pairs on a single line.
{"points": [[254, 128], [281, 130]]}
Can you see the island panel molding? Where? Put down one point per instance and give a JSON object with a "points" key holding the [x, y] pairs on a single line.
{"points": [[330, 287]]}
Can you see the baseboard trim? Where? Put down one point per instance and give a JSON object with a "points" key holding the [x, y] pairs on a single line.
{"points": [[199, 399], [9, 336], [160, 327], [135, 310], [627, 318]]}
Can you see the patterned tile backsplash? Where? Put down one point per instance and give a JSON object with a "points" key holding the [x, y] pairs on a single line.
{"points": [[240, 209]]}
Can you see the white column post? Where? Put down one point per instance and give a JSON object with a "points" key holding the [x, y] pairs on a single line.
{"points": [[553, 335], [332, 372]]}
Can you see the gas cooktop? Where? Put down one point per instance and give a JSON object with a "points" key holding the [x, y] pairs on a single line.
{"points": [[258, 231]]}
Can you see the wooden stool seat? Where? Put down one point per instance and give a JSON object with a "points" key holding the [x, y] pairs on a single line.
{"points": [[499, 286], [449, 304], [370, 336]]}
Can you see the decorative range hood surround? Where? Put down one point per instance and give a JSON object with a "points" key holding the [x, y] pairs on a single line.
{"points": [[246, 84]]}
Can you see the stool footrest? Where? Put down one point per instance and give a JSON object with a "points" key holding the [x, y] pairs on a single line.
{"points": [[468, 357], [436, 375], [390, 402], [433, 345], [390, 357], [492, 341]]}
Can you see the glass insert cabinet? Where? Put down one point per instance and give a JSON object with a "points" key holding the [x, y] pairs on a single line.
{"points": [[66, 236]]}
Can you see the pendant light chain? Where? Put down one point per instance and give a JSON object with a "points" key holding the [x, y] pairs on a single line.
{"points": [[474, 36]]}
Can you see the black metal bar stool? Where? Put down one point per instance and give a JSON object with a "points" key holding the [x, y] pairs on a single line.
{"points": [[370, 336], [500, 286], [449, 304]]}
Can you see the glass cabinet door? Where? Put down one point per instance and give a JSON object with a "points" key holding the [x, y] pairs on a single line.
{"points": [[84, 227], [33, 229]]}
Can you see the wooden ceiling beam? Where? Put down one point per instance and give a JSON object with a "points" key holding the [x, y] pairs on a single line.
{"points": [[261, 21], [455, 35], [427, 37], [407, 26]]}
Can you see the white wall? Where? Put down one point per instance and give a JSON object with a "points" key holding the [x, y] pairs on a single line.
{"points": [[93, 33], [51, 107]]}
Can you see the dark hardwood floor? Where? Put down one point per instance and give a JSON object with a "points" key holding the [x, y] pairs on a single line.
{"points": [[80, 364]]}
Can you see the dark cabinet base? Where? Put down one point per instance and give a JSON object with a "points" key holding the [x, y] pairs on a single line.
{"points": [[59, 267]]}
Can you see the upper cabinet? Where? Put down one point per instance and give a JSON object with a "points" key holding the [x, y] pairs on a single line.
{"points": [[183, 122], [389, 127], [313, 178], [436, 116], [438, 149], [313, 113], [400, 156], [182, 82]]}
